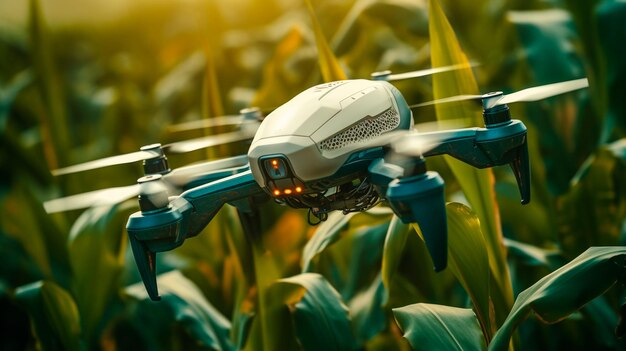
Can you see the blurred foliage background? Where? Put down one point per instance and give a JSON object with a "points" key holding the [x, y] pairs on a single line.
{"points": [[80, 81]]}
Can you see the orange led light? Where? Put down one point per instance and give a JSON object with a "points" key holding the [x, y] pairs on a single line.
{"points": [[298, 189], [276, 192], [287, 191], [275, 163]]}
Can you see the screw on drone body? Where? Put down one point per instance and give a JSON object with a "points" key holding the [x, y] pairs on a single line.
{"points": [[153, 194], [157, 164]]}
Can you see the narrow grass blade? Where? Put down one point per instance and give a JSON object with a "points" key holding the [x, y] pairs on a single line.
{"points": [[329, 65]]}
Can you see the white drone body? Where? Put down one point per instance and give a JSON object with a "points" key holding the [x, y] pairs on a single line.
{"points": [[313, 135]]}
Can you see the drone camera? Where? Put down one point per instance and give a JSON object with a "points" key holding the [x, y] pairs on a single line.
{"points": [[280, 179], [276, 168]]}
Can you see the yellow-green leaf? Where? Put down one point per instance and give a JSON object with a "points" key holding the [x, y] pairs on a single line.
{"points": [[53, 313], [392, 251], [329, 65], [476, 184], [56, 137], [468, 261], [96, 246], [279, 85]]}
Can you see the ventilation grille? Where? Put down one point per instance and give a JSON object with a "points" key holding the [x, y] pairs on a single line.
{"points": [[364, 130]]}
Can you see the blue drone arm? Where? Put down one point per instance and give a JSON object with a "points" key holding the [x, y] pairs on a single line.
{"points": [[417, 196], [154, 230], [487, 147]]}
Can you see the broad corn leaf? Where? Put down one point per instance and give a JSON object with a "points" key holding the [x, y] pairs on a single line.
{"points": [[183, 301], [468, 260], [394, 244], [438, 327], [53, 313], [565, 290], [321, 319], [476, 184], [96, 246]]}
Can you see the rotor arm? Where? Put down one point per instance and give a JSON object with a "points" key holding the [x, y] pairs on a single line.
{"points": [[156, 230], [484, 147]]}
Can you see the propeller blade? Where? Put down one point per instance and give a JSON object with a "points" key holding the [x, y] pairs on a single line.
{"points": [[449, 99], [102, 197], [388, 76], [245, 116], [544, 91], [108, 161], [208, 141], [530, 94], [176, 179], [181, 176], [208, 123]]}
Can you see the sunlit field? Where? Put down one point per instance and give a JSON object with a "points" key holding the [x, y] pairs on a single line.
{"points": [[85, 80]]}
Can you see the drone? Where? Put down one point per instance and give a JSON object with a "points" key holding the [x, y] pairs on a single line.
{"points": [[332, 147]]}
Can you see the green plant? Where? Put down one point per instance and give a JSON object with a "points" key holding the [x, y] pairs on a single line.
{"points": [[360, 281]]}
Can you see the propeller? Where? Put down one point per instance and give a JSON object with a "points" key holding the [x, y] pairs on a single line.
{"points": [[176, 179], [525, 95], [388, 76], [155, 151], [252, 115]]}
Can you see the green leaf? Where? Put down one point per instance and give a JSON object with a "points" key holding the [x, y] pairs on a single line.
{"points": [[533, 255], [591, 213], [550, 40], [566, 290], [365, 253], [329, 65], [54, 119], [335, 227], [468, 261], [189, 308], [22, 217], [392, 251], [273, 326], [10, 92], [476, 184], [321, 319], [437, 327], [367, 312], [53, 313], [325, 235], [97, 247], [280, 83]]}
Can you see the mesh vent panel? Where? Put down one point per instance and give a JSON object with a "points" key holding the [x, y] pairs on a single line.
{"points": [[364, 130]]}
